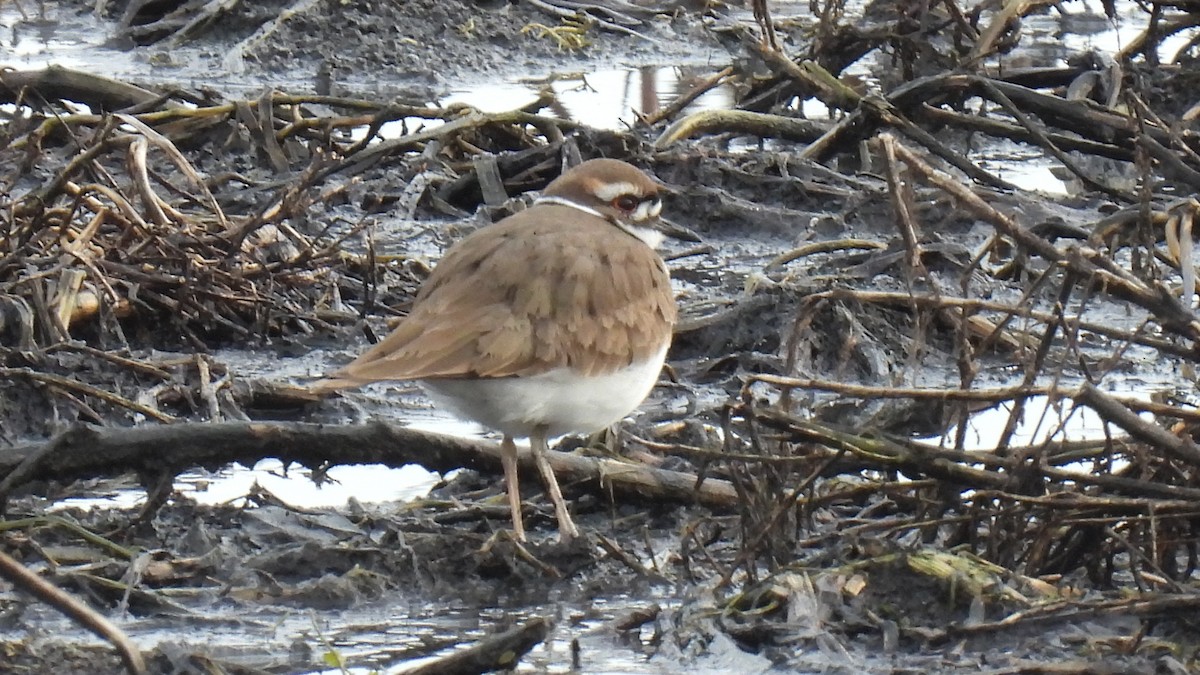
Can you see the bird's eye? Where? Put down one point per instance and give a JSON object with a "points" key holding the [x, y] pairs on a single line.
{"points": [[626, 202]]}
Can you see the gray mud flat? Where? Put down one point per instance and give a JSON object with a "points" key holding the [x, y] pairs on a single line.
{"points": [[925, 419], [412, 49]]}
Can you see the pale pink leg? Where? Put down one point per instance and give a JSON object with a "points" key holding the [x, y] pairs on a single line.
{"points": [[566, 527], [508, 457]]}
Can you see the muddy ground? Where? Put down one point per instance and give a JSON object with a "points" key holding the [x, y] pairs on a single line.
{"points": [[869, 334]]}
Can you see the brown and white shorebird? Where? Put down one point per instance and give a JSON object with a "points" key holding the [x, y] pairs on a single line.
{"points": [[554, 320]]}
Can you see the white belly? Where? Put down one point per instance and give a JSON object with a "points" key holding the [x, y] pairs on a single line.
{"points": [[561, 400]]}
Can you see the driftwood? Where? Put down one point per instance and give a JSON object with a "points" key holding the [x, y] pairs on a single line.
{"points": [[496, 652], [86, 451], [59, 82]]}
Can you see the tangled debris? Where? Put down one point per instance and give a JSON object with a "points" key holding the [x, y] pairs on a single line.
{"points": [[827, 494]]}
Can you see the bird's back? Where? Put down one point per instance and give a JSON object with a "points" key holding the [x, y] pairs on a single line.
{"points": [[526, 296]]}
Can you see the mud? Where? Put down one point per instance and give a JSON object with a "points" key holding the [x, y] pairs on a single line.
{"points": [[413, 50]]}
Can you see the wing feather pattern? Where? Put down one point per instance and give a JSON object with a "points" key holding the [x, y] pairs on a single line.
{"points": [[593, 297]]}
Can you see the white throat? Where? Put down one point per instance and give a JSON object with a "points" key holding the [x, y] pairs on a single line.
{"points": [[650, 236]]}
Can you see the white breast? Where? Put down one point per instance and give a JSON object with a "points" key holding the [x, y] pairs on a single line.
{"points": [[561, 399]]}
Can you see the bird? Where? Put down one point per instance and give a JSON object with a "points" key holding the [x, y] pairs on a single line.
{"points": [[554, 320]]}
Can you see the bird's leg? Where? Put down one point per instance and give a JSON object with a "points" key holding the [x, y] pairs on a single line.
{"points": [[508, 457], [566, 527]]}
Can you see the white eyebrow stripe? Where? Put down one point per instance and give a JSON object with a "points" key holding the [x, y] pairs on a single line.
{"points": [[567, 202], [652, 237], [610, 191]]}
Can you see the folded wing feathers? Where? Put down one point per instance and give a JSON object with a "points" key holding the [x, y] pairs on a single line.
{"points": [[512, 321]]}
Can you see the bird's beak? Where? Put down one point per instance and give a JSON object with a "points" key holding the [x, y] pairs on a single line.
{"points": [[668, 228], [676, 231]]}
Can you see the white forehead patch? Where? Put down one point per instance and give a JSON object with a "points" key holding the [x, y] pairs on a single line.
{"points": [[610, 191]]}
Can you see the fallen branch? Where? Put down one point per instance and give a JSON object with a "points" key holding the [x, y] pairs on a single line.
{"points": [[496, 652], [87, 451], [59, 82], [740, 122]]}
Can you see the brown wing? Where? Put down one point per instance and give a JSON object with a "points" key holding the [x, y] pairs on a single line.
{"points": [[590, 296]]}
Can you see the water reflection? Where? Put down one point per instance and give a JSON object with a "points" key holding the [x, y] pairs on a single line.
{"points": [[605, 99]]}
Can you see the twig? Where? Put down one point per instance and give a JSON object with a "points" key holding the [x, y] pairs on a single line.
{"points": [[675, 107], [78, 612], [87, 389]]}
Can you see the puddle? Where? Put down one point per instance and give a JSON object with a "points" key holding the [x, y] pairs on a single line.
{"points": [[1043, 420], [1046, 420], [294, 485], [605, 99], [362, 483], [36, 40], [384, 640], [1026, 167]]}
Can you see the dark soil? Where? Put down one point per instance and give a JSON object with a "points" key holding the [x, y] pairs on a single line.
{"points": [[412, 49]]}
